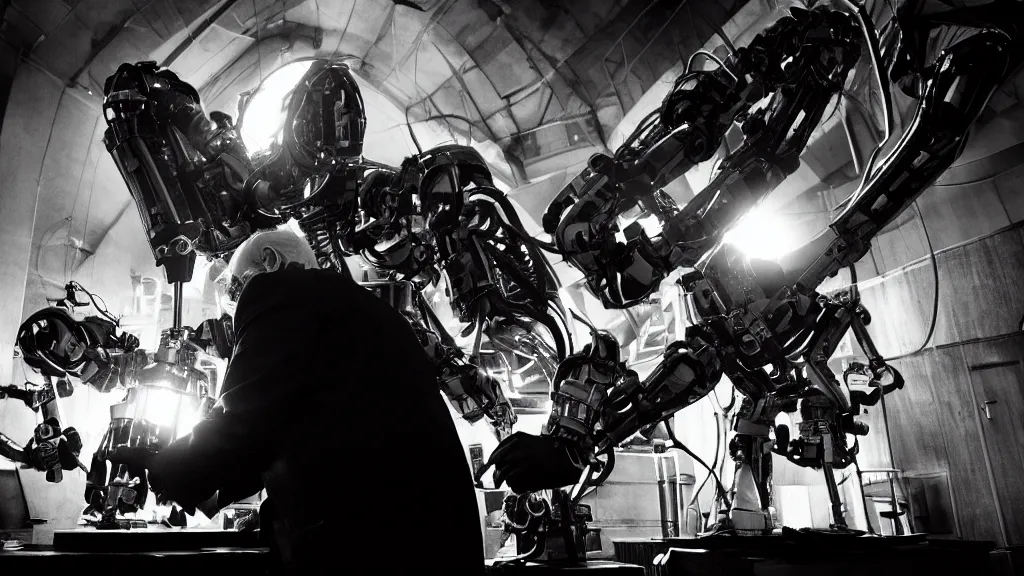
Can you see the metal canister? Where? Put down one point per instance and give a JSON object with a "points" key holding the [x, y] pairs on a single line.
{"points": [[668, 494], [476, 458], [683, 483]]}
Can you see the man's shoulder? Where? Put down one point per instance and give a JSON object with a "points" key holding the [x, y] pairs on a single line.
{"points": [[291, 289]]}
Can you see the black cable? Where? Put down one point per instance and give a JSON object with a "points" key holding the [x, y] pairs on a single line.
{"points": [[679, 445], [102, 310], [694, 499], [935, 300]]}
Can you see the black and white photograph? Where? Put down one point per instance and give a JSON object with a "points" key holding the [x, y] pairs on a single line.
{"points": [[512, 287]]}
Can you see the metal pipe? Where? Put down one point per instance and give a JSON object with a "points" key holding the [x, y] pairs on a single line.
{"points": [[871, 37], [668, 496], [863, 498], [854, 153], [833, 495], [11, 450], [177, 305], [897, 528]]}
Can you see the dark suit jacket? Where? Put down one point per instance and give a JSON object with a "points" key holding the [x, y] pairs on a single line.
{"points": [[331, 399]]}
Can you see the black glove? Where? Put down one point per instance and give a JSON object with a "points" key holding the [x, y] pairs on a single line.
{"points": [[138, 461], [133, 458], [43, 456], [529, 463]]}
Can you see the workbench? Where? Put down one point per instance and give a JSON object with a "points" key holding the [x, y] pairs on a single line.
{"points": [[164, 550], [253, 561], [35, 557], [87, 549], [807, 554]]}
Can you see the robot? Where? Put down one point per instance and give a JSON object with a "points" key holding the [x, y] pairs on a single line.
{"points": [[438, 215], [199, 192], [60, 347], [762, 324], [176, 380]]}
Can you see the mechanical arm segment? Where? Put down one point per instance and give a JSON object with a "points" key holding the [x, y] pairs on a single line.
{"points": [[762, 324]]}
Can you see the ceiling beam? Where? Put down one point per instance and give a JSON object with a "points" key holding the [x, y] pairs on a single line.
{"points": [[191, 37], [380, 33], [466, 91], [100, 46], [439, 13]]}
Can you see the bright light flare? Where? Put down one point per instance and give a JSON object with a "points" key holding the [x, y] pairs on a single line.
{"points": [[263, 118], [167, 408], [762, 235], [159, 405]]}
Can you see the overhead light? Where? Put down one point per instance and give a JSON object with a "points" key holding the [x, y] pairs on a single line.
{"points": [[762, 235], [262, 120]]}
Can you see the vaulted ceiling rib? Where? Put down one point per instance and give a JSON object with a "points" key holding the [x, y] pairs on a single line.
{"points": [[524, 74]]}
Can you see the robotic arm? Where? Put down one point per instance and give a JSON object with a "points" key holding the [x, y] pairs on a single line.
{"points": [[440, 217], [185, 172], [954, 91], [598, 402], [60, 347], [801, 61]]}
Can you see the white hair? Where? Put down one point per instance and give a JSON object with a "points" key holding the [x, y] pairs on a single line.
{"points": [[291, 247]]}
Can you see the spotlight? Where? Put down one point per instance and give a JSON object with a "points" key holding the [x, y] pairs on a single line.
{"points": [[762, 235]]}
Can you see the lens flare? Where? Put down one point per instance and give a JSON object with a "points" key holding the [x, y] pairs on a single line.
{"points": [[263, 118], [762, 235]]}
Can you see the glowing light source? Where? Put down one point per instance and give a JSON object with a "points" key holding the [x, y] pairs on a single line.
{"points": [[160, 406], [263, 118], [762, 235]]}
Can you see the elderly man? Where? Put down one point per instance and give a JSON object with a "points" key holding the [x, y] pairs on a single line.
{"points": [[330, 402]]}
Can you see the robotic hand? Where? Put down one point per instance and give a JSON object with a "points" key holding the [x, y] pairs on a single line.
{"points": [[597, 404], [53, 450], [558, 458]]}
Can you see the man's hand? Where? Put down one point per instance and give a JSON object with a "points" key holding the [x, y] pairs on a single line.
{"points": [[529, 463], [138, 461], [133, 458]]}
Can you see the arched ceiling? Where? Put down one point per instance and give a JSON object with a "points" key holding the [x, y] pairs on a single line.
{"points": [[534, 77]]}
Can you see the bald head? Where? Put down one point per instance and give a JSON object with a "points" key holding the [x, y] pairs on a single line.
{"points": [[271, 251], [265, 252]]}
